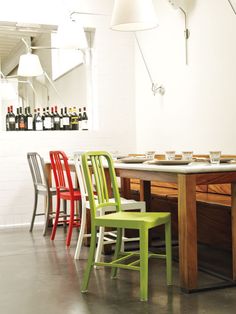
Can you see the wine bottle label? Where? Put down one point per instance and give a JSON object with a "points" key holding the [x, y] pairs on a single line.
{"points": [[56, 119], [47, 123], [22, 124], [11, 119], [84, 124], [61, 123], [74, 120], [66, 121], [30, 123], [39, 126]]}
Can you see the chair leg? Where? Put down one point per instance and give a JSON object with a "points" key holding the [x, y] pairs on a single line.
{"points": [[65, 213], [117, 251], [71, 222], [143, 264], [47, 213], [54, 229], [123, 241], [34, 211], [90, 262], [81, 232], [100, 244], [168, 253]]}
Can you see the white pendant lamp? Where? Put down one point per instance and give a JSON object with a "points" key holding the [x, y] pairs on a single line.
{"points": [[71, 35], [29, 65], [133, 15]]}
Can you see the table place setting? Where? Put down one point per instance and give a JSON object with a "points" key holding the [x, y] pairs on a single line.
{"points": [[173, 159]]}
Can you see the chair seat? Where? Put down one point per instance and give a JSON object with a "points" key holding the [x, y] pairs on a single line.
{"points": [[133, 220], [126, 204], [67, 195]]}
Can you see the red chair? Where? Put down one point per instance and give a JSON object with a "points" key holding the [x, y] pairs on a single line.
{"points": [[65, 191]]}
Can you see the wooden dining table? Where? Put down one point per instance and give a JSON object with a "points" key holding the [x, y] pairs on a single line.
{"points": [[187, 177]]}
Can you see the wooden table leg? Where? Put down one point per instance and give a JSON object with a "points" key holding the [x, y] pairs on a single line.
{"points": [[187, 231], [233, 222], [145, 192], [125, 188]]}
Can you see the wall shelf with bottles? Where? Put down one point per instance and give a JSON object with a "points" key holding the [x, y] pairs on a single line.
{"points": [[47, 119]]}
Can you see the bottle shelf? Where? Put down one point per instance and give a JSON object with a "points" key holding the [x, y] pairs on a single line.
{"points": [[47, 119]]}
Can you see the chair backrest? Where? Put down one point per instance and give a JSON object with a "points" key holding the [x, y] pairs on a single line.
{"points": [[37, 169], [80, 176], [61, 171], [100, 165]]}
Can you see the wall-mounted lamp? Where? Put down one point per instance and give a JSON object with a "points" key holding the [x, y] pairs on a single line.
{"points": [[132, 16], [6, 79], [7, 91], [71, 34], [232, 6], [30, 66], [176, 5]]}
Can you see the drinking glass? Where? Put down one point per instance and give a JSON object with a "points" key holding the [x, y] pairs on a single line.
{"points": [[150, 154], [188, 155], [215, 157], [170, 155]]}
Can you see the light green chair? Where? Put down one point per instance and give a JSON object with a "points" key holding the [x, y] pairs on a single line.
{"points": [[97, 163]]}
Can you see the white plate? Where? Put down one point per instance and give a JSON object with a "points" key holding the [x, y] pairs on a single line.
{"points": [[133, 160], [170, 162]]}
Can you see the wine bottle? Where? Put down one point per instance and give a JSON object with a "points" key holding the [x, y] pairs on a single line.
{"points": [[74, 120], [66, 120], [56, 120], [39, 122], [52, 118], [84, 120], [80, 119], [61, 120], [34, 120], [17, 120], [7, 118], [43, 117], [21, 120], [47, 121], [29, 120], [70, 116], [12, 120]]}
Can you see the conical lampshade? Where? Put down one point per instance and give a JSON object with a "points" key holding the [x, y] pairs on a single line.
{"points": [[29, 65], [133, 15], [71, 35]]}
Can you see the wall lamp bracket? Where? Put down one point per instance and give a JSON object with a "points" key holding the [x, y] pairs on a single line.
{"points": [[156, 88], [186, 34]]}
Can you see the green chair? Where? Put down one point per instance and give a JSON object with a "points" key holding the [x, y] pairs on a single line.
{"points": [[101, 165]]}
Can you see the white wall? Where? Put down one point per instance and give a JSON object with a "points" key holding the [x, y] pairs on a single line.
{"points": [[113, 101], [198, 110]]}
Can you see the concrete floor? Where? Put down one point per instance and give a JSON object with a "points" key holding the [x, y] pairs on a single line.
{"points": [[38, 276]]}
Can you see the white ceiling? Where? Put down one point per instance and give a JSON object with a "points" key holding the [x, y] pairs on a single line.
{"points": [[11, 34]]}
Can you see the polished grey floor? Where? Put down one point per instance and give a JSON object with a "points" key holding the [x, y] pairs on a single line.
{"points": [[38, 276]]}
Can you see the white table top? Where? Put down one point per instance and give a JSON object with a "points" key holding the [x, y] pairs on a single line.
{"points": [[194, 167]]}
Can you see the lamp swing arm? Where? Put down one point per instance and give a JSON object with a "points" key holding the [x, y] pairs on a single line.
{"points": [[230, 3], [155, 87], [30, 84], [54, 87]]}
